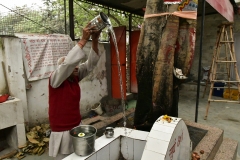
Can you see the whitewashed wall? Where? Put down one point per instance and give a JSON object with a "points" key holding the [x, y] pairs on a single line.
{"points": [[35, 99], [11, 55], [94, 87]]}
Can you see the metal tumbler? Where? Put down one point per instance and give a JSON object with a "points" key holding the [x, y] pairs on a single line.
{"points": [[100, 21]]}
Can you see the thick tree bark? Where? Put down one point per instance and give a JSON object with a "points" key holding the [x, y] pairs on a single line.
{"points": [[148, 47], [163, 72], [185, 45], [164, 43]]}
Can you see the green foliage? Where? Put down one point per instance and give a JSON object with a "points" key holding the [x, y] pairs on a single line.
{"points": [[51, 18]]}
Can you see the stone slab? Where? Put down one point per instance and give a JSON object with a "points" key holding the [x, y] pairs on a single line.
{"points": [[210, 143], [11, 113], [227, 150]]}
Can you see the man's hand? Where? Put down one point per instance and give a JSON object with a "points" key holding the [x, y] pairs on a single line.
{"points": [[87, 31]]}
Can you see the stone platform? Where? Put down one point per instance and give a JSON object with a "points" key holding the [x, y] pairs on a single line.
{"points": [[214, 145], [207, 138], [12, 128]]}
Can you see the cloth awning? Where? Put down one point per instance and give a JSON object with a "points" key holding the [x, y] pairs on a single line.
{"points": [[224, 7]]}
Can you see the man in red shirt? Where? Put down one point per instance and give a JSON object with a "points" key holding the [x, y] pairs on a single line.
{"points": [[65, 93]]}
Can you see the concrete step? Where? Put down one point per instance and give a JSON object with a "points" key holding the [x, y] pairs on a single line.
{"points": [[213, 144], [227, 150], [210, 143]]}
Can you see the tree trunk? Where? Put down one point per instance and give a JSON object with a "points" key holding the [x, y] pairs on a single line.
{"points": [[163, 72], [164, 43], [185, 45], [148, 47]]}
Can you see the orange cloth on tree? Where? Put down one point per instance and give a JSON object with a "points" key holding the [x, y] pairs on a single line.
{"points": [[182, 14]]}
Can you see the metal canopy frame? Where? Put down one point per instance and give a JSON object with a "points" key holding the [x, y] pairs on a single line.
{"points": [[110, 4], [203, 9], [133, 7]]}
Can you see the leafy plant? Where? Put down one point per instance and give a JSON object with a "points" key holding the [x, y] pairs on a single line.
{"points": [[51, 18]]}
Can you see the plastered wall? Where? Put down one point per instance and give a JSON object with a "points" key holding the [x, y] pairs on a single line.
{"points": [[211, 24], [34, 94]]}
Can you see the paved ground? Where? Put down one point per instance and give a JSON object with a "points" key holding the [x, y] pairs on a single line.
{"points": [[221, 115]]}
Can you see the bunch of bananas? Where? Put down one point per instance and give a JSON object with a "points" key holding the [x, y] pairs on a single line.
{"points": [[37, 143]]}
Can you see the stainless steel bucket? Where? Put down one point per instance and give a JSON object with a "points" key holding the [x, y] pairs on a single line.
{"points": [[100, 21], [83, 145]]}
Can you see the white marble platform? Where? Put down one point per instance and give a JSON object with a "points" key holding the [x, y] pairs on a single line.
{"points": [[165, 141], [130, 145], [11, 115], [168, 141]]}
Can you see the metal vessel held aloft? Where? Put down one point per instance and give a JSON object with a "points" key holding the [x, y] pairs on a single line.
{"points": [[100, 21]]}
